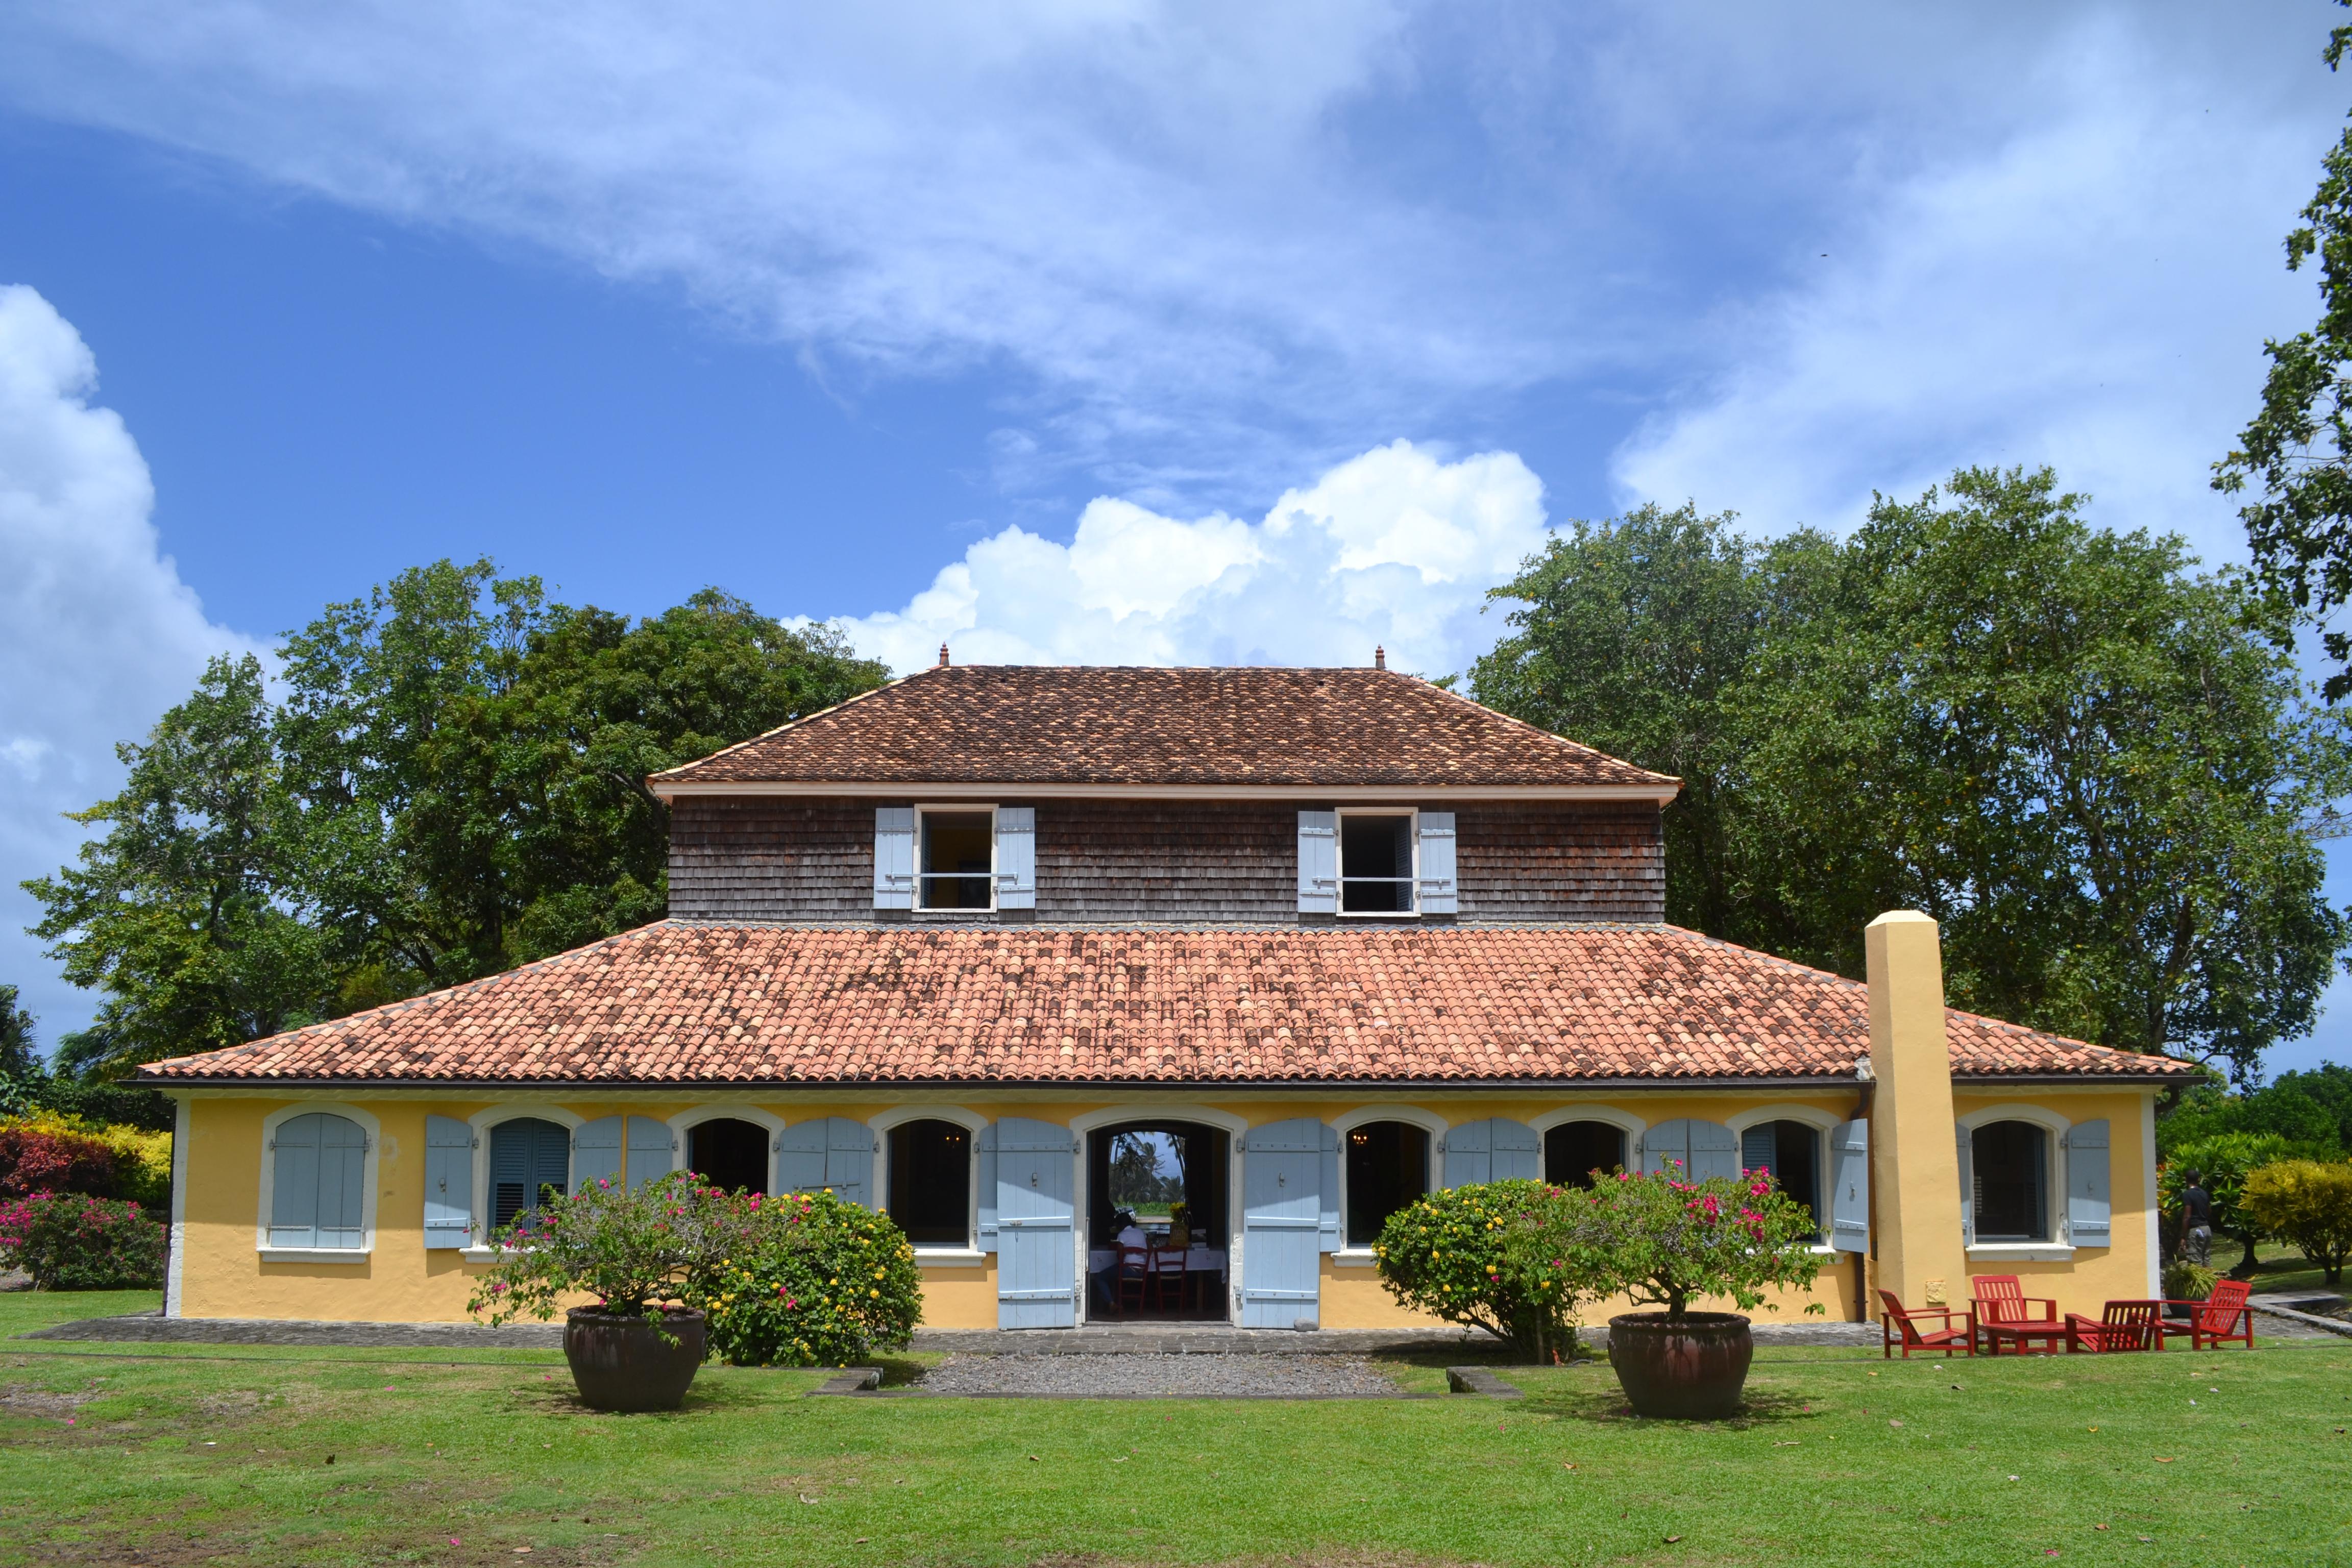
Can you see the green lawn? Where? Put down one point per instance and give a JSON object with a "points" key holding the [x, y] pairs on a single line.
{"points": [[2277, 1267], [231, 1454]]}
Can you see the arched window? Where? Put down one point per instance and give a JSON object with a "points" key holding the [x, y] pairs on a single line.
{"points": [[930, 1182], [529, 1160], [2009, 1165], [1388, 1167], [729, 1153], [1574, 1150], [318, 1182], [1791, 1151]]}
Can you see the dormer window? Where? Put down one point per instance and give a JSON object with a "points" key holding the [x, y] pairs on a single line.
{"points": [[1375, 869], [955, 859]]}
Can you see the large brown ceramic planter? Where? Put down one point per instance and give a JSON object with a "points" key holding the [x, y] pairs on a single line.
{"points": [[1690, 1368], [621, 1363]]}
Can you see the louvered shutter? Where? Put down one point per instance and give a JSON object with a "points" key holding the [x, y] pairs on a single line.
{"points": [[2089, 1217], [448, 1182], [1318, 862], [1439, 891], [894, 858], [987, 1195], [849, 1158], [1327, 1233], [1714, 1152], [1036, 1229], [1757, 1150], [1282, 1223], [599, 1151], [1850, 1186], [1469, 1154], [652, 1152], [1517, 1153], [1016, 857], [1968, 1188], [294, 1192]]}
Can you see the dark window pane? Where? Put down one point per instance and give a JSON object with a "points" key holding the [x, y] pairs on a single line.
{"points": [[1388, 1167], [531, 1161], [1376, 865], [730, 1155], [957, 854], [1574, 1150], [1796, 1164], [2009, 1163], [930, 1182]]}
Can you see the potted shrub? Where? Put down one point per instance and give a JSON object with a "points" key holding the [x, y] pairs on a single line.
{"points": [[1457, 1257], [636, 1344], [2185, 1282], [1663, 1241]]}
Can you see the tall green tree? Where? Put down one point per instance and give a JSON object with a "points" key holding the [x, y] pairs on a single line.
{"points": [[2088, 762], [19, 1058]]}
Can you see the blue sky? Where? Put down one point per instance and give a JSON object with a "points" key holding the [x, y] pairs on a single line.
{"points": [[1075, 330]]}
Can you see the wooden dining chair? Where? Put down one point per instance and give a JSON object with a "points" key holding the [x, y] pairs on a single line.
{"points": [[2221, 1318], [1132, 1279], [1167, 1275], [1900, 1325], [2122, 1326]]}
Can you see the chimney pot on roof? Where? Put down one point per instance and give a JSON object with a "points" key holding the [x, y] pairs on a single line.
{"points": [[943, 655], [1379, 657]]}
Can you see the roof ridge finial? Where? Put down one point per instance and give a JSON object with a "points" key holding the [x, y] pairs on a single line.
{"points": [[1380, 656], [943, 655]]}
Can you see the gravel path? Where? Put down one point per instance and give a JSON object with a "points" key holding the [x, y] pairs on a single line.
{"points": [[1159, 1376]]}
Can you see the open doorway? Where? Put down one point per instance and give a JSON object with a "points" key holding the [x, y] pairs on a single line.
{"points": [[1156, 1242]]}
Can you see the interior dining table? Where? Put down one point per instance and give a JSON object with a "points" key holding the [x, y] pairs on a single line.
{"points": [[1101, 1261]]}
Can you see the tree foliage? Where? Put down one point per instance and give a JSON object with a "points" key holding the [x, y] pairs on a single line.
{"points": [[1452, 1255], [2308, 1203], [2090, 762]]}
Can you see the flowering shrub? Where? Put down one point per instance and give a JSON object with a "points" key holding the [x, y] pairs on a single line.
{"points": [[809, 1281], [42, 1154], [2308, 1203], [629, 1250], [1660, 1239], [1452, 1255], [71, 1241]]}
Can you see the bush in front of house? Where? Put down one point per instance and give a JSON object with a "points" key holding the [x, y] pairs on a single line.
{"points": [[2225, 1160], [2186, 1281], [1452, 1255], [1663, 1240], [806, 1279], [631, 1249], [71, 1241], [42, 1153], [2308, 1203]]}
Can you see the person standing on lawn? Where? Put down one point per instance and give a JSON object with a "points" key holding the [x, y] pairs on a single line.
{"points": [[2195, 1222]]}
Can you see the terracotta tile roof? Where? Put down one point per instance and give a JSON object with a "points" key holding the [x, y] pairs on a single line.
{"points": [[1118, 725], [685, 1002]]}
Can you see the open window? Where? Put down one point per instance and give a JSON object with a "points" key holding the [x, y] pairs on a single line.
{"points": [[1791, 1153], [955, 858], [530, 1162], [2009, 1181], [729, 1153], [1376, 863], [930, 1182], [1574, 1150], [1388, 1168]]}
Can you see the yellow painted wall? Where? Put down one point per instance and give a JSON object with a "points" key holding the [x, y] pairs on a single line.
{"points": [[221, 1277]]}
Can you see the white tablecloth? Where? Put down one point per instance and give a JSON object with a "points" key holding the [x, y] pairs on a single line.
{"points": [[1197, 1260]]}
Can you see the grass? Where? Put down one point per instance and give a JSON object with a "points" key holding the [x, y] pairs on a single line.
{"points": [[187, 1455], [2277, 1267]]}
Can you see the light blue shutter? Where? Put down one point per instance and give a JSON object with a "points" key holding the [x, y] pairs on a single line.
{"points": [[1016, 857], [294, 1196], [1328, 1236], [1282, 1223], [1518, 1152], [448, 1182], [987, 1195], [1714, 1152], [2089, 1219], [317, 1198], [342, 1176], [894, 856], [799, 1158], [1438, 892], [1669, 1140], [1756, 1150], [1850, 1186], [1318, 862], [849, 1158], [652, 1152], [1968, 1188], [1469, 1154], [1036, 1231], [597, 1153]]}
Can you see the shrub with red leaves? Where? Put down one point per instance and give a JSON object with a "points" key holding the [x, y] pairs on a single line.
{"points": [[35, 1161]]}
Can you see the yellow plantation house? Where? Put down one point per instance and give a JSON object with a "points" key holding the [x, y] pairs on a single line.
{"points": [[1152, 993]]}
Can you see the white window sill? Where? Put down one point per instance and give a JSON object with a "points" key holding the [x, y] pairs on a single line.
{"points": [[312, 1253], [2021, 1252], [1355, 1258], [476, 1254], [949, 1257]]}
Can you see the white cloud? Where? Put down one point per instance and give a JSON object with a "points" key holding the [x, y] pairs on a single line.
{"points": [[98, 634], [1396, 547]]}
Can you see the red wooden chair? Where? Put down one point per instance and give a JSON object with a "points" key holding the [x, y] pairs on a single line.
{"points": [[2123, 1326], [1133, 1275], [1167, 1276], [1899, 1318], [2005, 1314], [2221, 1318]]}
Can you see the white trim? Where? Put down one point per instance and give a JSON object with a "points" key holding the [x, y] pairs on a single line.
{"points": [[2021, 1252], [1818, 1121], [949, 1258], [1433, 1160], [967, 809], [683, 1124], [1412, 878], [886, 790], [1625, 1121], [370, 1130], [481, 1122], [880, 1124], [1235, 1128], [2014, 1112], [2054, 1127], [2147, 1193], [172, 1266]]}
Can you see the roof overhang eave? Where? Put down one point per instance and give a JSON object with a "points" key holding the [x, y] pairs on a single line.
{"points": [[902, 789]]}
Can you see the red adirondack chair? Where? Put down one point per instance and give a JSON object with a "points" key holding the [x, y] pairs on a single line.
{"points": [[1897, 1319], [2123, 1326], [2005, 1313], [2219, 1317]]}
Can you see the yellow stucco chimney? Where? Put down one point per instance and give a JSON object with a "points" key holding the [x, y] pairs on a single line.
{"points": [[1915, 1163]]}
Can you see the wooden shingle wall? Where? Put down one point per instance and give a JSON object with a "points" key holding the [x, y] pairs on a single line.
{"points": [[1543, 862]]}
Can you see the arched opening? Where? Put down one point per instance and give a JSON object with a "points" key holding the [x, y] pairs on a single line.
{"points": [[530, 1162], [729, 1153], [1156, 1221], [1574, 1150], [930, 1182], [1791, 1153], [1388, 1167], [2009, 1163]]}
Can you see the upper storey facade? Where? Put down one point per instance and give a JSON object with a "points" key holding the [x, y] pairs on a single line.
{"points": [[1010, 794]]}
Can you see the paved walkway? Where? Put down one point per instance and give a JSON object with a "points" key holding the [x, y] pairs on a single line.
{"points": [[1157, 1376], [152, 1328]]}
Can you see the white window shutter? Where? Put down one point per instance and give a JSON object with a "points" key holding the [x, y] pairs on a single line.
{"points": [[1968, 1188], [2089, 1199], [448, 1182], [1714, 1152], [1438, 889], [1318, 862], [1850, 1186], [1016, 857], [651, 1153], [1469, 1154], [894, 856], [597, 1153], [1517, 1153]]}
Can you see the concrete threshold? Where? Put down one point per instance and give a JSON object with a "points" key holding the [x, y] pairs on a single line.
{"points": [[1193, 1339]]}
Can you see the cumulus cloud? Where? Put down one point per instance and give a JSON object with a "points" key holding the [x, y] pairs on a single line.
{"points": [[98, 634], [1396, 548]]}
